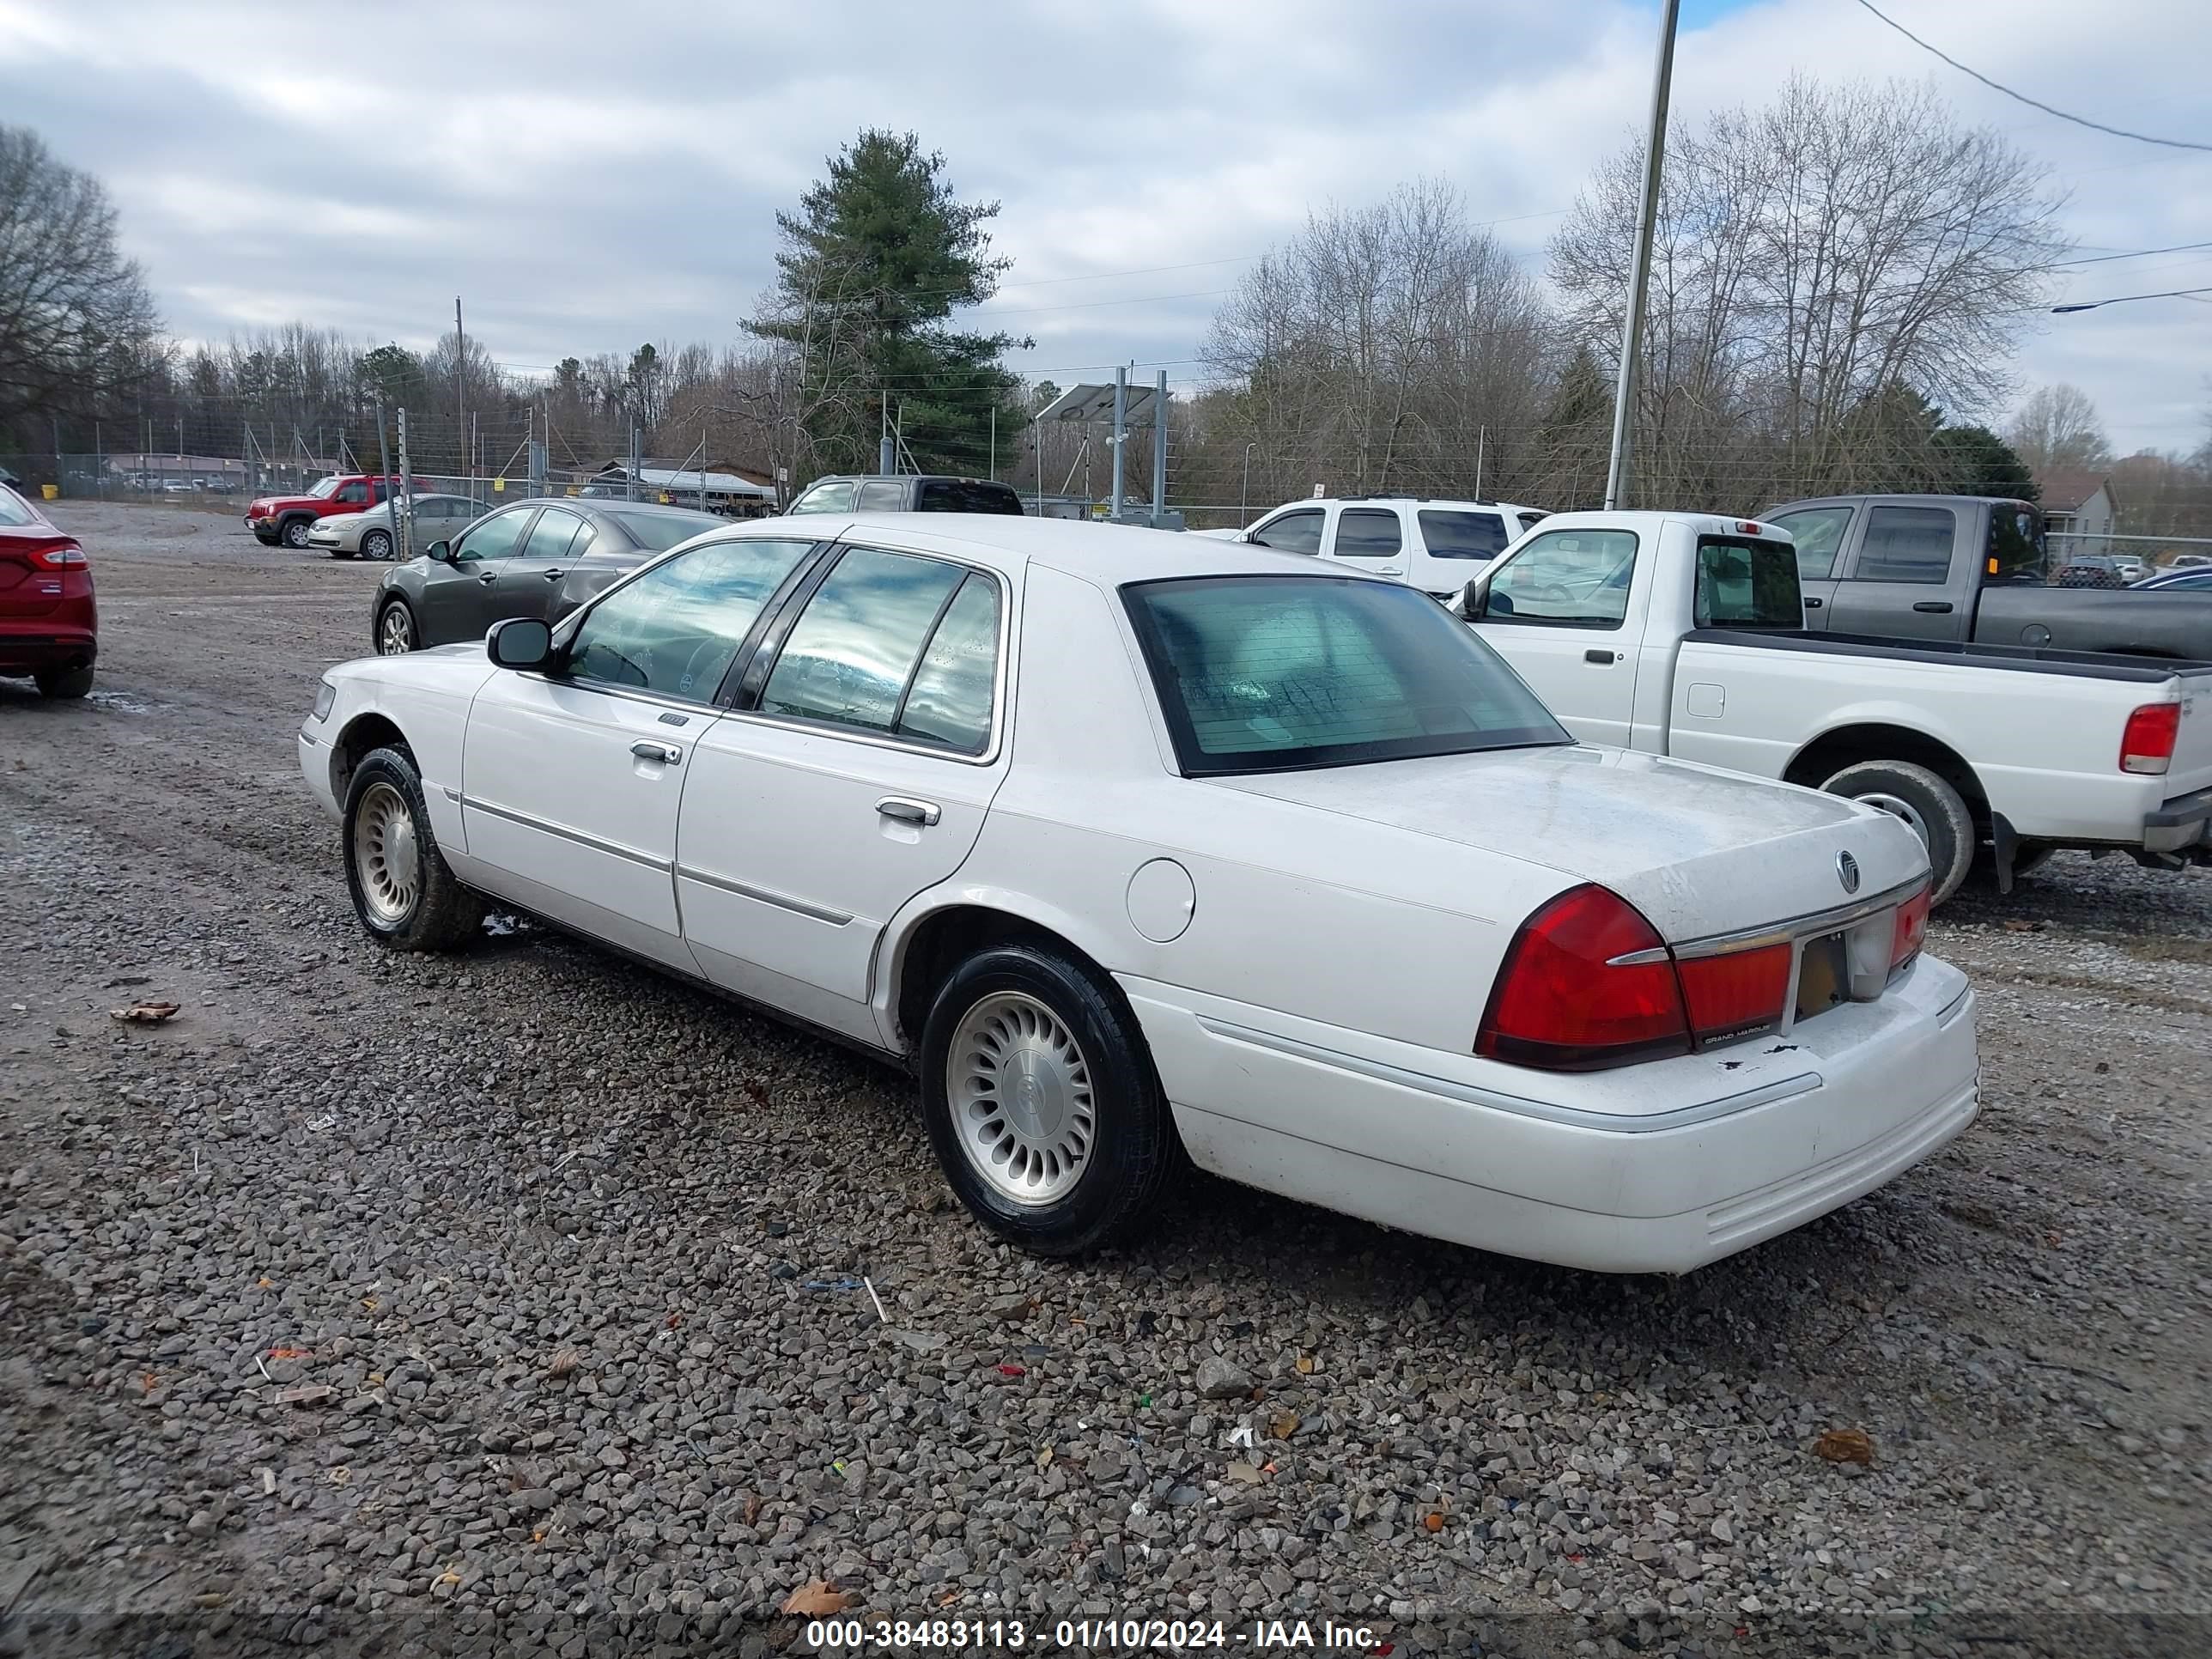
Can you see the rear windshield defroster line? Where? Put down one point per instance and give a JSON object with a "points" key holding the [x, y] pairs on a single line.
{"points": [[1277, 673]]}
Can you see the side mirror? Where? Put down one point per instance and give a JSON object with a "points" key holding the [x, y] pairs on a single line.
{"points": [[439, 552], [520, 643], [1474, 599]]}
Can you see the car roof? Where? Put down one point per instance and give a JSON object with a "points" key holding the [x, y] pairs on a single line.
{"points": [[1109, 554], [908, 477]]}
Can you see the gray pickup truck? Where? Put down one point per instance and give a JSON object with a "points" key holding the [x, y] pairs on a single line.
{"points": [[1970, 568]]}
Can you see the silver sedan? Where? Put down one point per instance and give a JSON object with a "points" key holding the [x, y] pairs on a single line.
{"points": [[368, 534]]}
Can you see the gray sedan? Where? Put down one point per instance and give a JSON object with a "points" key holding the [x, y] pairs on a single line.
{"points": [[539, 558]]}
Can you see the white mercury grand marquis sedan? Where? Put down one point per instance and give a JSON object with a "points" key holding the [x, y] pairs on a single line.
{"points": [[1140, 847]]}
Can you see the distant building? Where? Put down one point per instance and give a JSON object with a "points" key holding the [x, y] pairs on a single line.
{"points": [[736, 491], [2076, 501]]}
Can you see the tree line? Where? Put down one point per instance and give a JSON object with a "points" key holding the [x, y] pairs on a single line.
{"points": [[1833, 270]]}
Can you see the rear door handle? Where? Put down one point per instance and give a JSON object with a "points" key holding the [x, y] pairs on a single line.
{"points": [[1389, 569], [488, 578], [667, 753], [552, 575], [1605, 657], [1813, 603], [1934, 607], [907, 810]]}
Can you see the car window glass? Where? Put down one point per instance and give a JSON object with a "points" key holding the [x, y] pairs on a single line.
{"points": [[1453, 535], [2016, 548], [1575, 578], [1367, 532], [833, 497], [677, 628], [1905, 544], [355, 494], [549, 537], [1293, 532], [585, 538], [881, 496], [13, 510], [495, 539], [950, 701], [849, 655], [1819, 534], [937, 496], [1747, 583], [1262, 673], [656, 533]]}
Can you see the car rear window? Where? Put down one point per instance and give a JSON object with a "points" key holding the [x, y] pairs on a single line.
{"points": [[13, 510], [1463, 535], [2016, 545], [656, 533], [968, 495], [1280, 673], [1747, 584]]}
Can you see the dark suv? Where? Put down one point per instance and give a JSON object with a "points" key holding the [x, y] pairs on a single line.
{"points": [[907, 493]]}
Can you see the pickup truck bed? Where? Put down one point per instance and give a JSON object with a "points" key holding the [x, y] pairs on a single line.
{"points": [[1999, 752]]}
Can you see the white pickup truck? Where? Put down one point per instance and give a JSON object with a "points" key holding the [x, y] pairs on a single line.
{"points": [[1682, 633]]}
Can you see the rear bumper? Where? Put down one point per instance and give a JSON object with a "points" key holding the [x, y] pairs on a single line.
{"points": [[1707, 1161], [66, 638], [2181, 822]]}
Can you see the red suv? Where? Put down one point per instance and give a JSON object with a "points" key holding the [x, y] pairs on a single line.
{"points": [[288, 518], [49, 629]]}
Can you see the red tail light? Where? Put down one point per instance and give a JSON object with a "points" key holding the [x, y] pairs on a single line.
{"points": [[1910, 930], [61, 556], [1566, 1002], [2147, 745], [1736, 993]]}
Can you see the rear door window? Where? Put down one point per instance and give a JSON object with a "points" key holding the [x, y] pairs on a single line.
{"points": [[1291, 532], [856, 645], [2015, 552], [1907, 544], [882, 496], [1747, 583], [1368, 533], [1451, 534]]}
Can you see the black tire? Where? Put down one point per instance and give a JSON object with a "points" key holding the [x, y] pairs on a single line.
{"points": [[394, 620], [1133, 1154], [68, 683], [1933, 808], [376, 544], [295, 532], [438, 913]]}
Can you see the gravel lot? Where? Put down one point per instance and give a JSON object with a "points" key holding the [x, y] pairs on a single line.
{"points": [[576, 1253]]}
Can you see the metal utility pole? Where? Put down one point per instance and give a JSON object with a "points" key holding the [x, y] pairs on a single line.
{"points": [[461, 388], [383, 473], [1160, 449], [405, 515], [1121, 432], [1631, 333], [883, 443], [1036, 437], [995, 442], [1481, 437], [1244, 499]]}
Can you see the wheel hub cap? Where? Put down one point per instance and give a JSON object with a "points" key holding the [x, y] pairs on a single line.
{"points": [[386, 856], [1021, 1097], [1901, 810]]}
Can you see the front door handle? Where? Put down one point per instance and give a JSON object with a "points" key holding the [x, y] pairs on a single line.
{"points": [[1814, 603], [1389, 569], [1934, 607], [488, 578], [907, 810], [552, 575], [1606, 658], [667, 753]]}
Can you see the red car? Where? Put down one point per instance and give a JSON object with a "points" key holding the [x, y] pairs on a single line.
{"points": [[288, 518], [49, 627]]}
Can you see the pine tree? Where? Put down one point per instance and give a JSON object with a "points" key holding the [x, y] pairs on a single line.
{"points": [[873, 265]]}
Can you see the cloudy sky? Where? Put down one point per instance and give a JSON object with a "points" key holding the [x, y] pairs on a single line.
{"points": [[589, 176]]}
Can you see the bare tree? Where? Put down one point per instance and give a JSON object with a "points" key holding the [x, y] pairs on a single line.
{"points": [[2059, 426], [76, 322], [1813, 257]]}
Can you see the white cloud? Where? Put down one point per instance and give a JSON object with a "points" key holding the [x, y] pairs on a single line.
{"points": [[589, 180]]}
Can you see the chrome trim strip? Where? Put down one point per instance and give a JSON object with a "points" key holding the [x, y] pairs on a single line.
{"points": [[613, 849], [452, 794], [1951, 1010], [1615, 1123], [782, 900], [1810, 925]]}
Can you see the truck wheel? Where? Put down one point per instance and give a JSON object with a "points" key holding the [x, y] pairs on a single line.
{"points": [[295, 533], [1931, 807]]}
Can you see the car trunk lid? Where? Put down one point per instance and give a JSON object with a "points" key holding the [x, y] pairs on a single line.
{"points": [[28, 588]]}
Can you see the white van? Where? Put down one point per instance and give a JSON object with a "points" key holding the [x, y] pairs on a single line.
{"points": [[1437, 546]]}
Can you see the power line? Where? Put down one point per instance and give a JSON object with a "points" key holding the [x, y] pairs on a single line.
{"points": [[2140, 254], [2037, 103]]}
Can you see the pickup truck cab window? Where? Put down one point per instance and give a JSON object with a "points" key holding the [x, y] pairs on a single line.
{"points": [[676, 629], [1367, 532], [833, 496], [1741, 583], [855, 648], [1907, 544], [1297, 531], [1819, 534], [2016, 546], [1567, 578], [880, 496]]}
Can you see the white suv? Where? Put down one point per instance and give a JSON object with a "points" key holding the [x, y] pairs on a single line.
{"points": [[1436, 546]]}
